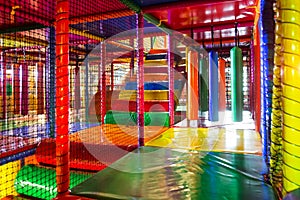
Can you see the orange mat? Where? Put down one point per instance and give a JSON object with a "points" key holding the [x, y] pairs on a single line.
{"points": [[116, 134]]}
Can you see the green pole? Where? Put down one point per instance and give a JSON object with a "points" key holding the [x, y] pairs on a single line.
{"points": [[236, 84], [203, 92]]}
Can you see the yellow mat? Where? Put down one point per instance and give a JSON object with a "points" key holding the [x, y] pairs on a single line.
{"points": [[210, 139]]}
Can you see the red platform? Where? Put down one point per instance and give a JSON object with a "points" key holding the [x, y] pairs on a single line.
{"points": [[81, 154]]}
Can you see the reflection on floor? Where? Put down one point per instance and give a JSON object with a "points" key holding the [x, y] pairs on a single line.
{"points": [[210, 139], [219, 162]]}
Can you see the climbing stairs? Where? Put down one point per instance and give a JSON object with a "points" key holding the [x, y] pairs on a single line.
{"points": [[123, 109]]}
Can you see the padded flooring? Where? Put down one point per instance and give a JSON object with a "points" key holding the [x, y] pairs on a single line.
{"points": [[166, 173]]}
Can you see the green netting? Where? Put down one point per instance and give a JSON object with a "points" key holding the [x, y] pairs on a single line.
{"points": [[41, 182]]}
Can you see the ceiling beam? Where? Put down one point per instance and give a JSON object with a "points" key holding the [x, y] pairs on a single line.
{"points": [[228, 40], [181, 4], [218, 26], [101, 16]]}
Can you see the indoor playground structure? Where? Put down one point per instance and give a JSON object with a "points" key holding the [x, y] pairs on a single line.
{"points": [[148, 99]]}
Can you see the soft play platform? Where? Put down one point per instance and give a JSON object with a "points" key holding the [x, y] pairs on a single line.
{"points": [[163, 173]]}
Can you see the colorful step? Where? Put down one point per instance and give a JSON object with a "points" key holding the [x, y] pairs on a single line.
{"points": [[149, 105], [149, 77], [161, 69], [40, 182], [160, 85], [148, 95], [130, 118]]}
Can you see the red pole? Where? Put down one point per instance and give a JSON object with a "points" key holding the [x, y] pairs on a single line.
{"points": [[77, 87], [24, 100], [112, 76], [62, 96], [140, 78], [4, 86], [17, 85], [132, 58], [252, 80], [257, 78], [103, 82], [222, 87], [40, 88], [171, 78]]}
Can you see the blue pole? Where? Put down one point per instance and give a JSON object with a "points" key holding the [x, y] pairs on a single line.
{"points": [[52, 87], [213, 84], [267, 34]]}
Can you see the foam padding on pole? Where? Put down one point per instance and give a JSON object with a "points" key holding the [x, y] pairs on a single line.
{"points": [[276, 123], [129, 118], [203, 92], [192, 99], [62, 96], [222, 86], [267, 39], [290, 62], [236, 84], [213, 114], [40, 182]]}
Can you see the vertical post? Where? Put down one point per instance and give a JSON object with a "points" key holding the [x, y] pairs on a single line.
{"points": [[203, 68], [213, 85], [222, 87], [103, 81], [52, 82], [140, 78], [132, 58], [3, 58], [62, 96], [77, 88], [193, 100], [236, 84], [257, 77], [267, 36], [25, 85], [86, 89], [17, 85], [252, 81], [112, 76], [171, 79], [40, 88]]}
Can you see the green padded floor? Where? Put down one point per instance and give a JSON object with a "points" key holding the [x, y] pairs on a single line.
{"points": [[161, 173]]}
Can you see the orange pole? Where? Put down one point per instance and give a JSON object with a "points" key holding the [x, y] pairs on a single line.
{"points": [[193, 99], [62, 97], [222, 88]]}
